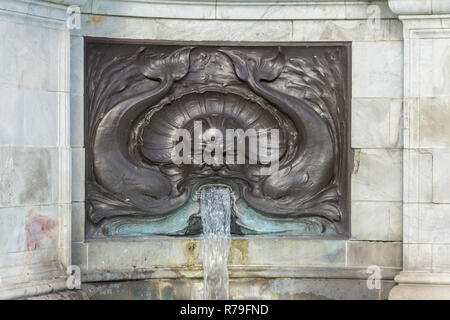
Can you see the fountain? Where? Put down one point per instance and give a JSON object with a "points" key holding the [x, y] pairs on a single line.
{"points": [[215, 210], [150, 142]]}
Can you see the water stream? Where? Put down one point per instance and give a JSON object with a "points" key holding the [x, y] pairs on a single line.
{"points": [[215, 209]]}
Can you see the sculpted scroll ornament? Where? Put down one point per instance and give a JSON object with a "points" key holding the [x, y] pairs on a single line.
{"points": [[137, 97]]}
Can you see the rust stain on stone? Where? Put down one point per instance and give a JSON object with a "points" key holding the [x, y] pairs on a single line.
{"points": [[38, 227], [96, 19], [356, 161]]}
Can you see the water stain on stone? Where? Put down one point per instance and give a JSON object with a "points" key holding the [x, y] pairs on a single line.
{"points": [[239, 252], [37, 228], [37, 185], [167, 293], [327, 33], [191, 252]]}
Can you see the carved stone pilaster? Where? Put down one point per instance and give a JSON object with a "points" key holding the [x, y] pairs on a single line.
{"points": [[426, 204]]}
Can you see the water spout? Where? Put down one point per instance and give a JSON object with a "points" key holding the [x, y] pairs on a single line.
{"points": [[215, 209]]}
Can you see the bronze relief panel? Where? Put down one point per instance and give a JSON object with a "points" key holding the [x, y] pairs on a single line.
{"points": [[137, 95]]}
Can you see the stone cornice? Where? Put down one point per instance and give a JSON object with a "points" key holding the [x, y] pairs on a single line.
{"points": [[35, 11], [218, 9], [420, 7]]}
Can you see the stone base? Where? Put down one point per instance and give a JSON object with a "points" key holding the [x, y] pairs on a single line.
{"points": [[32, 288], [255, 289], [421, 286], [62, 295]]}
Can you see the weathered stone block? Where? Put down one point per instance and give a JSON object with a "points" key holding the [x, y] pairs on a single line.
{"points": [[441, 175], [76, 121], [29, 117], [78, 215], [344, 30], [79, 253], [441, 258], [377, 175], [78, 174], [374, 253], [42, 227], [12, 229], [417, 256], [377, 221], [62, 295], [434, 119], [376, 123], [154, 9], [434, 223], [126, 255], [185, 30], [28, 176], [295, 252], [28, 63], [76, 65], [433, 67], [377, 69], [255, 289], [249, 11]]}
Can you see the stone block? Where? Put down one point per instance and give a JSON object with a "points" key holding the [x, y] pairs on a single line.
{"points": [[254, 289], [185, 30], [411, 222], [31, 261], [191, 10], [76, 66], [441, 175], [433, 67], [419, 185], [376, 123], [12, 230], [76, 121], [377, 69], [78, 174], [377, 175], [28, 176], [42, 228], [365, 253], [342, 30], [80, 256], [376, 220], [126, 255], [27, 64], [434, 120], [62, 295], [295, 252], [441, 258], [223, 30], [29, 117], [417, 256], [78, 216], [279, 12], [434, 223]]}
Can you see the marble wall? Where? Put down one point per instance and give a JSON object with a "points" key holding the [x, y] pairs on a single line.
{"points": [[377, 91], [34, 153], [400, 199]]}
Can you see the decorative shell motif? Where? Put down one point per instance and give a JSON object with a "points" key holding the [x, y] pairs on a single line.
{"points": [[214, 110], [138, 100]]}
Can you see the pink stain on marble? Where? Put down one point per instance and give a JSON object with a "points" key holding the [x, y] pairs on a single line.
{"points": [[38, 227]]}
